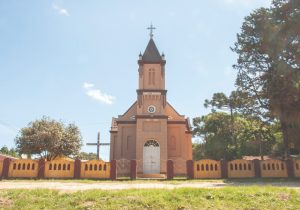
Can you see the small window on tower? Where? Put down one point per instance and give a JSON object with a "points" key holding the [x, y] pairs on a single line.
{"points": [[128, 142], [151, 77]]}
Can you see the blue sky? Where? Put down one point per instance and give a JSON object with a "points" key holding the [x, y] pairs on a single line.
{"points": [[61, 58]]}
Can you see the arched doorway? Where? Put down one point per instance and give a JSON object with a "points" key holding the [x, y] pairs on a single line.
{"points": [[151, 157]]}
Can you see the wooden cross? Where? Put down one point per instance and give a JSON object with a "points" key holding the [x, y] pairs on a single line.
{"points": [[98, 144], [151, 28]]}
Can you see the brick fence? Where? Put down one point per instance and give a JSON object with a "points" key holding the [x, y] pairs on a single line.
{"points": [[97, 169]]}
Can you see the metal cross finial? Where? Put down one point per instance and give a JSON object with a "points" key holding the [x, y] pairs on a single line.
{"points": [[98, 144], [151, 28]]}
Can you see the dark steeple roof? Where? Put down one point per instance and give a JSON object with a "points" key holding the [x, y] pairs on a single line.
{"points": [[151, 54]]}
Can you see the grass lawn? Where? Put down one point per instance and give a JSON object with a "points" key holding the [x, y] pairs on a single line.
{"points": [[254, 197]]}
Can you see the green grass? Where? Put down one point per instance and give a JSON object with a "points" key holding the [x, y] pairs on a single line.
{"points": [[254, 197]]}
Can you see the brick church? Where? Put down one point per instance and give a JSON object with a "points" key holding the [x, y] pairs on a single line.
{"points": [[151, 130]]}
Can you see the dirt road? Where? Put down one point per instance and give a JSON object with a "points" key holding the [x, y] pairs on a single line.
{"points": [[120, 185]]}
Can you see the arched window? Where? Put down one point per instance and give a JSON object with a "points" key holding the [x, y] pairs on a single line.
{"points": [[277, 166], [91, 167], [231, 166], [69, 167], [173, 143], [86, 167], [202, 167], [245, 166], [216, 167], [151, 78], [211, 167], [151, 143], [104, 167], [50, 166], [269, 166], [64, 166], [128, 142], [59, 166], [54, 168], [100, 167], [235, 166], [32, 166], [95, 167], [19, 166], [15, 166], [198, 168], [249, 166], [273, 166], [23, 166], [206, 167], [28, 166]]}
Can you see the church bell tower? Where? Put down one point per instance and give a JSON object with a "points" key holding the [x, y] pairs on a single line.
{"points": [[151, 93], [151, 131]]}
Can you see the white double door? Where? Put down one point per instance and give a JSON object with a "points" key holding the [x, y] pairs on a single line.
{"points": [[151, 159]]}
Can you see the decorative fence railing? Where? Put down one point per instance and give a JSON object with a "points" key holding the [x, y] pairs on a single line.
{"points": [[273, 168], [23, 168], [207, 169], [240, 169], [296, 167], [1, 168], [60, 168], [97, 169]]}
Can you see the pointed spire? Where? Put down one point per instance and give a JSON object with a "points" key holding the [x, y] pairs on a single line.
{"points": [[151, 54]]}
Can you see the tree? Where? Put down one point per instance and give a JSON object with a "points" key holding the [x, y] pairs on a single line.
{"points": [[49, 139], [235, 103], [268, 64], [215, 131], [87, 156], [5, 151]]}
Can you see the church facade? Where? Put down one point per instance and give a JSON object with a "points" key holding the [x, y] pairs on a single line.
{"points": [[151, 131]]}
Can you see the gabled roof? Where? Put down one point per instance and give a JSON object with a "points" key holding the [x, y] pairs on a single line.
{"points": [[151, 54]]}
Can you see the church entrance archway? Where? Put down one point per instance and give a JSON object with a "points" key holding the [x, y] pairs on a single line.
{"points": [[151, 157]]}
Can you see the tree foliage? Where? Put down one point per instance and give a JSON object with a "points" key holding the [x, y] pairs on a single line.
{"points": [[49, 139], [6, 151], [250, 138], [87, 156], [268, 64]]}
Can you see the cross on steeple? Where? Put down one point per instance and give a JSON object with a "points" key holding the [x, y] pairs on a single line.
{"points": [[151, 28]]}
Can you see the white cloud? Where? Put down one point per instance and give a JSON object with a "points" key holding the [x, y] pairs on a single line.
{"points": [[87, 85], [97, 94], [60, 10]]}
